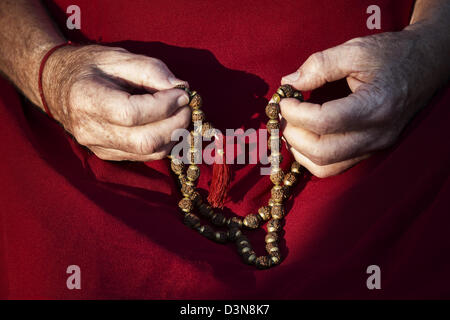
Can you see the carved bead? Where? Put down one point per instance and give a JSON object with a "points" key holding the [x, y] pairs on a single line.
{"points": [[183, 179], [264, 213], [195, 155], [234, 234], [273, 125], [295, 167], [272, 247], [208, 130], [194, 139], [272, 110], [198, 115], [277, 194], [177, 166], [286, 91], [263, 262], [220, 237], [277, 211], [193, 172], [274, 225], [196, 198], [218, 219], [196, 100], [277, 177], [235, 222], [186, 205], [290, 179], [276, 98], [249, 257], [191, 220], [252, 221], [271, 203], [271, 237], [187, 190]]}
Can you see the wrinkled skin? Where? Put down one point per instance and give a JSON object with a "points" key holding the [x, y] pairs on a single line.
{"points": [[391, 76]]}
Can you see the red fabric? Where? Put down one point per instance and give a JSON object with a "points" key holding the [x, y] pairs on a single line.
{"points": [[119, 222]]}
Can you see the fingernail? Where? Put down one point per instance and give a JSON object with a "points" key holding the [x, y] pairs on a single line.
{"points": [[292, 77], [183, 100]]}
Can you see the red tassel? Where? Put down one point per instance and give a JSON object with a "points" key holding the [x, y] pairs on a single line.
{"points": [[220, 182]]}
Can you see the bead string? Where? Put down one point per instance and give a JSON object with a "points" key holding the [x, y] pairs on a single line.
{"points": [[273, 213]]}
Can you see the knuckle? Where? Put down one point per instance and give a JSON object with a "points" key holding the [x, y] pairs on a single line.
{"points": [[146, 144], [127, 116], [317, 59], [319, 156]]}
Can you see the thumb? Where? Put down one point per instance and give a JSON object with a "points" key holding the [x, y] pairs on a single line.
{"points": [[321, 67]]}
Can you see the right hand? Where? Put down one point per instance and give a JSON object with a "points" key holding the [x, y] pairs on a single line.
{"points": [[85, 90]]}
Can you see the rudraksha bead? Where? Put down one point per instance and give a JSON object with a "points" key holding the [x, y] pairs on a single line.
{"points": [[263, 262], [207, 231], [235, 222], [218, 219], [277, 211], [208, 130], [186, 205], [249, 257], [277, 194], [196, 198], [272, 111], [277, 176], [272, 247], [273, 125], [252, 221], [191, 220], [193, 172], [290, 179], [198, 115], [286, 192], [271, 237], [234, 234], [177, 166], [187, 190], [194, 139], [264, 213], [274, 225], [271, 202], [195, 155], [295, 167], [220, 237], [286, 91], [196, 100]]}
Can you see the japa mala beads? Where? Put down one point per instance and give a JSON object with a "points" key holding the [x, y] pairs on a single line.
{"points": [[193, 206]]}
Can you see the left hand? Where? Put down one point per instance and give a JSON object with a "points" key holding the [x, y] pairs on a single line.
{"points": [[391, 77]]}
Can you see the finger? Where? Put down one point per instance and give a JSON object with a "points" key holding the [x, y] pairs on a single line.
{"points": [[359, 110], [322, 67], [143, 140], [119, 155], [327, 170], [149, 73], [328, 149], [107, 102]]}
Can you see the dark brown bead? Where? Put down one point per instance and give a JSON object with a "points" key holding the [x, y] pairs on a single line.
{"points": [[277, 194], [205, 210], [177, 166], [187, 190], [271, 237], [234, 234], [249, 257], [274, 225], [235, 222], [286, 192], [298, 95], [207, 231], [196, 100], [220, 237], [263, 262], [295, 167], [196, 198], [273, 125], [242, 241], [198, 115], [272, 247], [252, 221], [277, 211], [277, 176], [264, 213], [193, 172], [218, 219], [290, 179], [275, 256], [191, 220], [186, 205], [272, 111], [208, 130], [286, 91]]}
